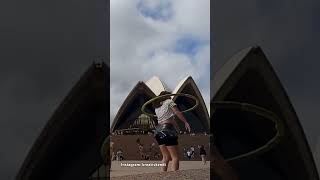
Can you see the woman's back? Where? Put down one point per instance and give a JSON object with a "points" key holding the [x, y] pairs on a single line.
{"points": [[164, 112]]}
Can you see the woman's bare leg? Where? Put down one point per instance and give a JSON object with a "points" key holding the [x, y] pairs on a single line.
{"points": [[203, 157], [173, 150], [165, 156]]}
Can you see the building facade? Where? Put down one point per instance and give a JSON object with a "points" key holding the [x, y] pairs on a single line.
{"points": [[130, 110], [248, 77]]}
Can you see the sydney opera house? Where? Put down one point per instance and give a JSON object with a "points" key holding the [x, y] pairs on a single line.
{"points": [[131, 124], [69, 146], [130, 111]]}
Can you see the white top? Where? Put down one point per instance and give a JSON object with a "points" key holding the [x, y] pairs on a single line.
{"points": [[164, 112], [189, 153]]}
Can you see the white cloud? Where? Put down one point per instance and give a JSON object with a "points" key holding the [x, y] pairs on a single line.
{"points": [[142, 46], [193, 17]]}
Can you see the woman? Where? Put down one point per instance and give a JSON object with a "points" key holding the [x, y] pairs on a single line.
{"points": [[189, 154], [118, 155], [184, 152], [203, 154], [165, 133], [192, 152]]}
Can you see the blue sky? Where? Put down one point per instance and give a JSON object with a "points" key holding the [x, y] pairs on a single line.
{"points": [[158, 37], [161, 11], [188, 45]]}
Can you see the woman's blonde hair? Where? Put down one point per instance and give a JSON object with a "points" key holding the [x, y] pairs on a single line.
{"points": [[157, 103]]}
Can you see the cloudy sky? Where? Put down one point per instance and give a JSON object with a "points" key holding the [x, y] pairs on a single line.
{"points": [[170, 39]]}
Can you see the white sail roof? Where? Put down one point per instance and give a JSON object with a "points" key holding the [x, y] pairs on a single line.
{"points": [[156, 85]]}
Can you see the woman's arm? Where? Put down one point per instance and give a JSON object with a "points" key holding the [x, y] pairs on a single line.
{"points": [[179, 114], [181, 117]]}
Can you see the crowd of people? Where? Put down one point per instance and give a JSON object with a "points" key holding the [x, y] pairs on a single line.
{"points": [[193, 134], [148, 152], [150, 133], [116, 156], [191, 153], [151, 152]]}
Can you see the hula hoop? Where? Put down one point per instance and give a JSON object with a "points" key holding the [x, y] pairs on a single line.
{"points": [[261, 112], [169, 95], [279, 126]]}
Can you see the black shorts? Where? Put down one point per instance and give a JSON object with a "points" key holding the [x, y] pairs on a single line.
{"points": [[203, 152], [166, 134]]}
